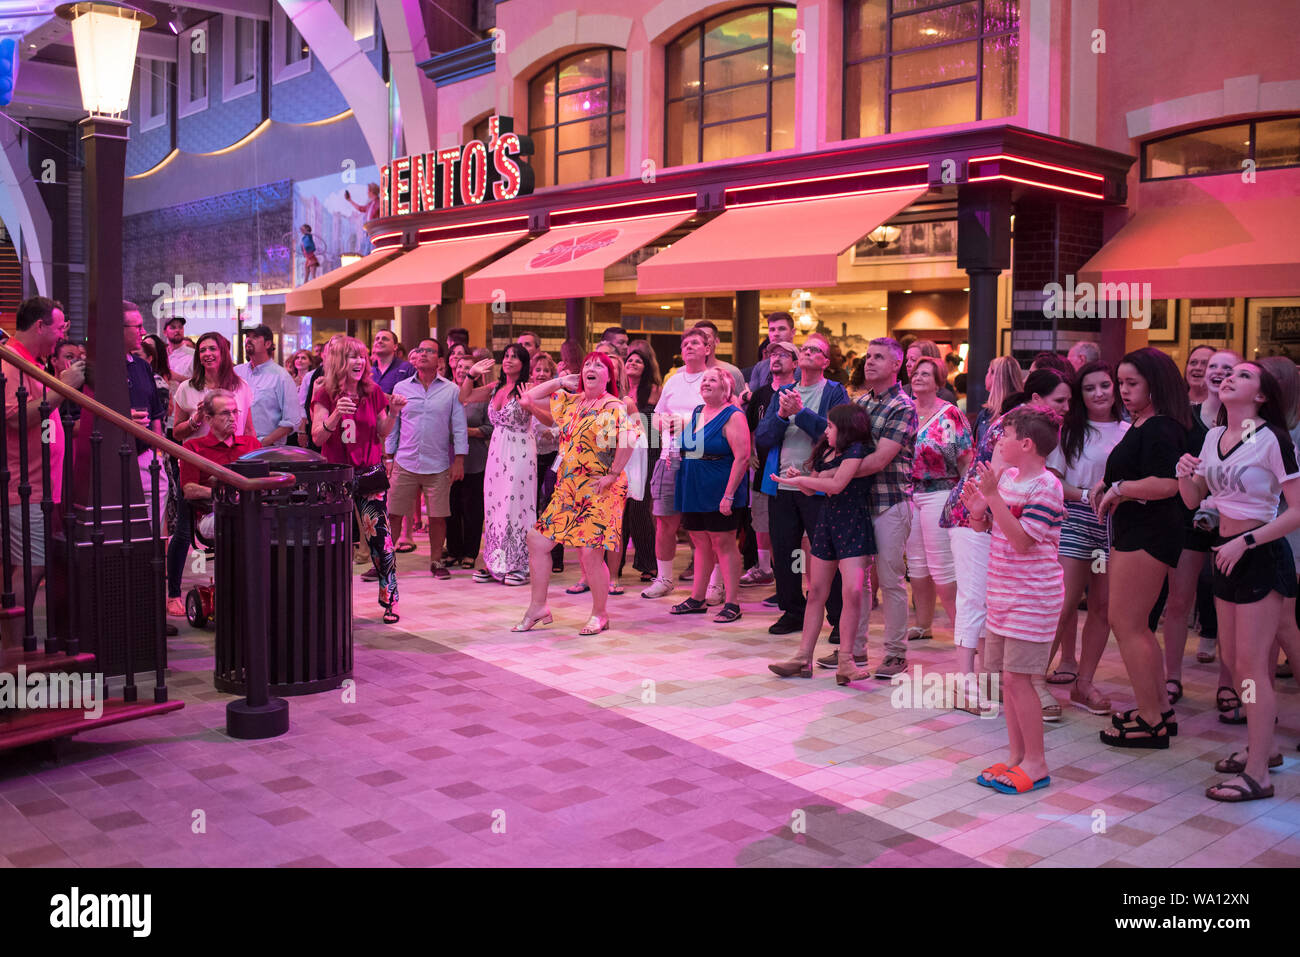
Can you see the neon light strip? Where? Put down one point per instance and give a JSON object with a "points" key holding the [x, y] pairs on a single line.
{"points": [[809, 199], [638, 202], [521, 231], [1055, 169], [1030, 182], [375, 239], [824, 179], [624, 219]]}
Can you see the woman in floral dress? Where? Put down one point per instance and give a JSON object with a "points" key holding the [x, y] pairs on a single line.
{"points": [[510, 479], [586, 511]]}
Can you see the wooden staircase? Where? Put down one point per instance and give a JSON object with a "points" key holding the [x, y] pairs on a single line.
{"points": [[23, 726]]}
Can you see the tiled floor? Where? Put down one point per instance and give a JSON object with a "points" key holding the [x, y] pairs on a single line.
{"points": [[660, 742]]}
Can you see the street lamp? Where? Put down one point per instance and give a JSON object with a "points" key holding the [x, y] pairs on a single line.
{"points": [[239, 298], [104, 37]]}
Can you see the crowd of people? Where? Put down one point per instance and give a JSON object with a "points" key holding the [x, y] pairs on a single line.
{"points": [[846, 484]]}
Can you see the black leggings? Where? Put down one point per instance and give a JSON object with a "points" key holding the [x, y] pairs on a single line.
{"points": [[178, 547]]}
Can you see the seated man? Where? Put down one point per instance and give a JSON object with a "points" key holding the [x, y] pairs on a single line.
{"points": [[220, 445]]}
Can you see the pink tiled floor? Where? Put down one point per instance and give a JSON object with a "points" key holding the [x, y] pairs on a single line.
{"points": [[661, 741]]}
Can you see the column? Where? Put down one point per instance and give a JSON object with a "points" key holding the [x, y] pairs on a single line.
{"points": [[745, 330], [983, 250], [575, 321]]}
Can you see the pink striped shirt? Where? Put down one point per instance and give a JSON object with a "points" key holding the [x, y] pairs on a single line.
{"points": [[1026, 589]]}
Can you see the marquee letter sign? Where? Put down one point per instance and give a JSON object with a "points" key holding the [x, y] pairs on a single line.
{"points": [[465, 175]]}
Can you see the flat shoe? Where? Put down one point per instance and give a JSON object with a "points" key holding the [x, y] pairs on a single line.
{"points": [[1250, 792], [1062, 677], [992, 771], [1052, 712], [1230, 764], [406, 548], [1020, 782], [690, 606], [581, 588]]}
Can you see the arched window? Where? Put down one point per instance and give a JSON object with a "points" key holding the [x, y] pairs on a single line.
{"points": [[730, 87], [576, 117], [915, 64]]}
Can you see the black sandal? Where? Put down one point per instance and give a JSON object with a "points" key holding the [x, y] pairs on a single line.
{"points": [[1255, 792], [1154, 741], [1122, 718], [728, 612], [1230, 708], [1174, 696], [391, 617], [1230, 764], [691, 606]]}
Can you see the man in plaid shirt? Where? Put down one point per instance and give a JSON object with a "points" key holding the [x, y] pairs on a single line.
{"points": [[893, 436]]}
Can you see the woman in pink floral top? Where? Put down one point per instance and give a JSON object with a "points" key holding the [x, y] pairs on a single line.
{"points": [[943, 451]]}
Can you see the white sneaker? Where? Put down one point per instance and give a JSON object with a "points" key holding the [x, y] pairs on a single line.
{"points": [[658, 588], [756, 576], [716, 595]]}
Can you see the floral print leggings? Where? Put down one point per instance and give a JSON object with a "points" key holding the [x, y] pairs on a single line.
{"points": [[372, 516]]}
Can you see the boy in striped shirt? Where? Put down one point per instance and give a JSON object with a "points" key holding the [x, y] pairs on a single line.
{"points": [[1025, 584]]}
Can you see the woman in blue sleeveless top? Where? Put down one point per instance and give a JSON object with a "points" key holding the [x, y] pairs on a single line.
{"points": [[710, 486]]}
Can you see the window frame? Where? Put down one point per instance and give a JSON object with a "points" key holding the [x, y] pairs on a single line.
{"points": [[281, 70], [888, 55], [148, 119], [552, 71], [185, 104], [230, 88], [1252, 123], [366, 8], [700, 29]]}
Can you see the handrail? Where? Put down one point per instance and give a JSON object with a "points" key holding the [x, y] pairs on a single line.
{"points": [[220, 472]]}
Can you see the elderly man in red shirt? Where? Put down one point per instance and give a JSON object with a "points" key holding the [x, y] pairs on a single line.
{"points": [[220, 445]]}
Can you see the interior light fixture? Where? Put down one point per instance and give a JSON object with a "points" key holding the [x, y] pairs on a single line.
{"points": [[174, 21], [884, 236]]}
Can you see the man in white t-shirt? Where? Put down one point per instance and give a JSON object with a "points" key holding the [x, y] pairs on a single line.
{"points": [[180, 354], [677, 400]]}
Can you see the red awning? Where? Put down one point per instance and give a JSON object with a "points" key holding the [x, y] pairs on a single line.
{"points": [[416, 279], [569, 261], [1212, 250], [768, 246], [320, 297]]}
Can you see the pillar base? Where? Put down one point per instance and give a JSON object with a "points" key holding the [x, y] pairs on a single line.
{"points": [[250, 722]]}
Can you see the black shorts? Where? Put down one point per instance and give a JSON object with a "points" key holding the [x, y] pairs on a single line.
{"points": [[1263, 569], [710, 521], [1197, 539], [842, 535], [1164, 546]]}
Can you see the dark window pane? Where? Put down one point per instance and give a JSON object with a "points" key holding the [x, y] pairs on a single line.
{"points": [[684, 65], [735, 139], [735, 32], [1001, 78], [941, 106], [733, 104], [682, 132], [1205, 151], [543, 158], [1000, 15], [1277, 143], [936, 26], [584, 69], [783, 114], [584, 104], [575, 136], [541, 100], [865, 25], [579, 167], [955, 62], [618, 82], [733, 70], [864, 99], [617, 137]]}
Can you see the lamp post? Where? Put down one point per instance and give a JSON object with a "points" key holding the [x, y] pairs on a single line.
{"points": [[239, 299], [104, 36]]}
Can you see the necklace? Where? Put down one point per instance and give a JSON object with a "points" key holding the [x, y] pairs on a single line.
{"points": [[698, 376]]}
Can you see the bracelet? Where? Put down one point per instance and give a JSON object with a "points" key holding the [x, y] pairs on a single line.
{"points": [[326, 426]]}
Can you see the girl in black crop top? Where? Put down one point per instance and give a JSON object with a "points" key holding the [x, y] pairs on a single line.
{"points": [[1139, 493], [1241, 468]]}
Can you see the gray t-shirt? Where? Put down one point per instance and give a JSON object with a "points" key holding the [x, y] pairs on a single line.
{"points": [[797, 445]]}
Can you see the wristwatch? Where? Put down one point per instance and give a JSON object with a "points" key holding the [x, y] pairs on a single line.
{"points": [[1249, 539]]}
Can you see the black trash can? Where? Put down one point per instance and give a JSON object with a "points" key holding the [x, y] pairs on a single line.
{"points": [[308, 529]]}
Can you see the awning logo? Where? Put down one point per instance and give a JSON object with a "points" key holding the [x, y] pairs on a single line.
{"points": [[566, 251]]}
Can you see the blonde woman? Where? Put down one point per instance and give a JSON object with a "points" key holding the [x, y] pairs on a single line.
{"points": [[351, 417]]}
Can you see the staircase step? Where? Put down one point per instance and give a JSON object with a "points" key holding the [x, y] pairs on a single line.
{"points": [[15, 612], [20, 728], [37, 661]]}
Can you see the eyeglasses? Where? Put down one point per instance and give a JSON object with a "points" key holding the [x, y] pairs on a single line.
{"points": [[813, 349]]}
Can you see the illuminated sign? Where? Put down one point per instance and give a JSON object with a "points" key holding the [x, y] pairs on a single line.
{"points": [[466, 175]]}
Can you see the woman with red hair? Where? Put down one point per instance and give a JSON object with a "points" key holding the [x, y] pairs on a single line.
{"points": [[586, 509]]}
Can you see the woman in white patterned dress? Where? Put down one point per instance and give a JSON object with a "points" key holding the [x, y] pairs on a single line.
{"points": [[510, 479]]}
